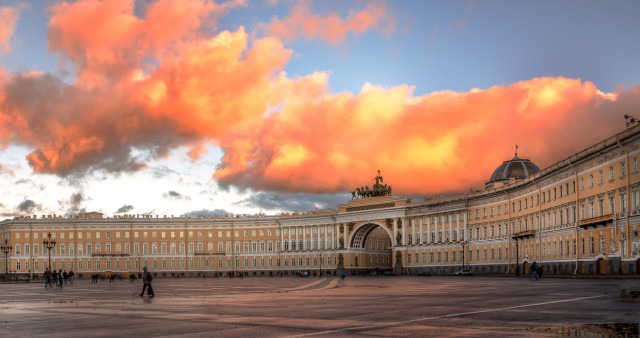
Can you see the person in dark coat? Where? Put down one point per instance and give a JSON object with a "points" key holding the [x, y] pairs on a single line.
{"points": [[60, 278], [65, 276], [540, 271], [534, 271], [47, 278], [146, 280], [72, 276]]}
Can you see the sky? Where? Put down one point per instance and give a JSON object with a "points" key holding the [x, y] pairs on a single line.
{"points": [[194, 107]]}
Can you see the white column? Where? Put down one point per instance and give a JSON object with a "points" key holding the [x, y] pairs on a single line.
{"points": [[428, 229], [326, 236], [404, 231], [335, 236], [297, 241], [289, 231], [435, 227], [413, 230], [347, 242], [421, 231], [465, 224], [281, 238], [304, 238], [395, 231], [458, 226]]}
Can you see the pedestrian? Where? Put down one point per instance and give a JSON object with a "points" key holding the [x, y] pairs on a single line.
{"points": [[342, 274], [71, 276], [146, 280], [60, 277], [47, 278], [65, 276], [131, 277], [540, 271], [534, 271]]}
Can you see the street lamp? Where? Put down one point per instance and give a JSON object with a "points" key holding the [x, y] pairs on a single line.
{"points": [[33, 259], [49, 243], [6, 248]]}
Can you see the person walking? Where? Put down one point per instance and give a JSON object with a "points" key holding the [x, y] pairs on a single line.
{"points": [[342, 274], [47, 278], [60, 277], [540, 271], [71, 276], [534, 271], [65, 276], [146, 280]]}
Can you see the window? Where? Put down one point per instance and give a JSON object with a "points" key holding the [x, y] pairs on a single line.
{"points": [[600, 177], [610, 173], [581, 183], [634, 165], [591, 181], [622, 169]]}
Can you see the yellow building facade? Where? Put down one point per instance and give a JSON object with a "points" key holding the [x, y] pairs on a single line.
{"points": [[579, 216]]}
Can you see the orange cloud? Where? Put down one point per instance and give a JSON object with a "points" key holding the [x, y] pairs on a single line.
{"points": [[434, 143], [8, 18], [147, 84], [302, 23]]}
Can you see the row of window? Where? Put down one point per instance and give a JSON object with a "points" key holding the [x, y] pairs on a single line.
{"points": [[199, 263]]}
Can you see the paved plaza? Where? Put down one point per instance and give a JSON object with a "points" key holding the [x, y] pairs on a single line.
{"points": [[289, 306]]}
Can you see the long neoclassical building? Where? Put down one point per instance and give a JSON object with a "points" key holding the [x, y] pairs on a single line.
{"points": [[579, 216]]}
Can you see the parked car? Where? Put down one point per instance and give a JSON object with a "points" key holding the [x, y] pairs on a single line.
{"points": [[463, 272], [388, 273], [423, 273]]}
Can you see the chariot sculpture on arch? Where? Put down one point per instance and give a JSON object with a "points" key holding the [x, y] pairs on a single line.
{"points": [[377, 190]]}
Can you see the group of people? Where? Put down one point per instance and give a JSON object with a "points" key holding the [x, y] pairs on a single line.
{"points": [[58, 278], [536, 271]]}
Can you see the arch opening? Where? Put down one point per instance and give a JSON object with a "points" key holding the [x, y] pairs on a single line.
{"points": [[370, 249]]}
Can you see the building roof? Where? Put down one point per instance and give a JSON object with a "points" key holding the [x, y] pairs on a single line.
{"points": [[516, 168]]}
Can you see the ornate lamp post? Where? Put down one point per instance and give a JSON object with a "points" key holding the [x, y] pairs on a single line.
{"points": [[6, 248], [49, 243]]}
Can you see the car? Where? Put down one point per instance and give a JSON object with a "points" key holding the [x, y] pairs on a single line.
{"points": [[423, 273], [388, 273], [463, 272]]}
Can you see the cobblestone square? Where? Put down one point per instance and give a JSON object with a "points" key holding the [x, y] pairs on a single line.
{"points": [[369, 306]]}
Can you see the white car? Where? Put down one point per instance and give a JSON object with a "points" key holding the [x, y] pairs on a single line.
{"points": [[463, 272]]}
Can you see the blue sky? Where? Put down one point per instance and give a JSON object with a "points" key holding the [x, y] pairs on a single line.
{"points": [[432, 46]]}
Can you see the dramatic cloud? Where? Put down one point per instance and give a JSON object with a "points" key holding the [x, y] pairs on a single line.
{"points": [[73, 204], [293, 201], [174, 195], [436, 143], [8, 18], [302, 23], [206, 213], [144, 86], [124, 209], [147, 84], [27, 206]]}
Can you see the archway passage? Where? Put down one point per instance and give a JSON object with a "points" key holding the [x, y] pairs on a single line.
{"points": [[602, 266], [370, 249], [525, 268]]}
